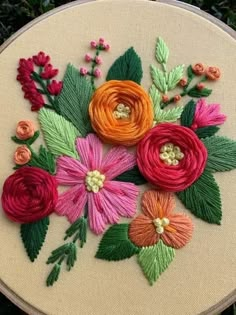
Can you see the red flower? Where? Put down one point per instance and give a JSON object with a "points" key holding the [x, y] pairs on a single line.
{"points": [[41, 59], [36, 100], [29, 195], [26, 65], [171, 157], [54, 88], [49, 72]]}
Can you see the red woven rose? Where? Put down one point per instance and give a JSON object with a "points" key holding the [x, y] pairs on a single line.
{"points": [[29, 195], [189, 166]]}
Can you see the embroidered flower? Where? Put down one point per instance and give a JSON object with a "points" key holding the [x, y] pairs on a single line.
{"points": [[198, 69], [159, 222], [171, 157], [41, 59], [91, 181], [213, 73], [207, 115], [22, 155], [25, 129], [55, 87], [48, 72], [128, 99], [29, 195]]}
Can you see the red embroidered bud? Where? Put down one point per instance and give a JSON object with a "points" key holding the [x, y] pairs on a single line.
{"points": [[55, 87], [41, 59], [49, 72]]}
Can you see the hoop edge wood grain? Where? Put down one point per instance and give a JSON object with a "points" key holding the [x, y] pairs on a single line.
{"points": [[22, 304]]}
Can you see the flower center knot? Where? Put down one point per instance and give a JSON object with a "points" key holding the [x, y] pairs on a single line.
{"points": [[122, 111], [160, 224], [171, 154], [94, 181]]}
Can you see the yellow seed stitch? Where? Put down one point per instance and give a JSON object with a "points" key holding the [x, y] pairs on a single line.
{"points": [[171, 154], [121, 111], [94, 181], [160, 224]]}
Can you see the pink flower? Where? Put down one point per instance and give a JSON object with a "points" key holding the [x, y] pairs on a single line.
{"points": [[97, 73], [54, 88], [49, 72], [101, 41], [107, 47], [88, 57], [93, 44], [91, 183], [41, 59], [83, 71], [207, 115], [98, 60]]}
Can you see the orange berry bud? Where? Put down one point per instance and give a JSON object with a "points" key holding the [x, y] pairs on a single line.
{"points": [[165, 98], [177, 98], [200, 86], [183, 82]]}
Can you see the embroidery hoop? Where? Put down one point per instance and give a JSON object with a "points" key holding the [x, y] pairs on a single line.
{"points": [[3, 287]]}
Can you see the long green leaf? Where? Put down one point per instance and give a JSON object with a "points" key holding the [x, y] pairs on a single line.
{"points": [[162, 51], [203, 198], [221, 154], [154, 260], [159, 79], [126, 67], [33, 236], [75, 98], [174, 77], [188, 114], [59, 134]]}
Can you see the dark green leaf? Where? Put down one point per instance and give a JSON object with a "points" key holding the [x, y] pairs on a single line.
{"points": [[33, 236], [221, 154], [203, 198], [44, 160], [194, 92], [115, 244], [187, 116], [190, 73], [132, 176], [126, 67], [54, 274], [28, 141], [74, 100], [206, 131], [71, 256]]}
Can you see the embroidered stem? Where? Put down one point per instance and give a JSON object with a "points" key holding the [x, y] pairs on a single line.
{"points": [[68, 251]]}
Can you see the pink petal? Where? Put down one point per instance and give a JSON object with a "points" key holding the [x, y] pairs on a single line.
{"points": [[183, 227], [117, 161], [72, 202], [90, 151], [96, 219], [208, 115], [119, 199], [70, 171]]}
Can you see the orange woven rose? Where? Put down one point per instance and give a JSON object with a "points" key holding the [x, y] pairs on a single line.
{"points": [[198, 69], [25, 129], [213, 73], [22, 155], [121, 112]]}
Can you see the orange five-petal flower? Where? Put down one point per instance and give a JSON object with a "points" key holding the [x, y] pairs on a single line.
{"points": [[159, 222]]}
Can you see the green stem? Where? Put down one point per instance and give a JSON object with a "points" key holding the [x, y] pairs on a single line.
{"points": [[98, 49]]}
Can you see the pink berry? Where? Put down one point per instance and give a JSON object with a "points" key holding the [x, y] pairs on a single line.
{"points": [[97, 73], [101, 41], [98, 60], [83, 71], [107, 47], [87, 58], [93, 44]]}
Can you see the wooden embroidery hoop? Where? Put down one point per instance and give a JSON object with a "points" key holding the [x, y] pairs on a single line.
{"points": [[220, 305]]}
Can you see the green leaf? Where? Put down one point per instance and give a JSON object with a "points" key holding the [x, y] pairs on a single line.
{"points": [[71, 256], [33, 236], [115, 244], [203, 198], [74, 100], [126, 67], [28, 141], [205, 132], [161, 115], [159, 79], [154, 260], [162, 51], [132, 176], [190, 73], [54, 275], [44, 160], [221, 154], [194, 92], [59, 134], [174, 77], [188, 114]]}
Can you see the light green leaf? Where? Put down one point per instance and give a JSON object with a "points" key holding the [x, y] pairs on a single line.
{"points": [[162, 51], [159, 79], [156, 97], [59, 134], [74, 100], [154, 260], [221, 154], [175, 76]]}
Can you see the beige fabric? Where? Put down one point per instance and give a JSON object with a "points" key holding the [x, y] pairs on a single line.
{"points": [[202, 273]]}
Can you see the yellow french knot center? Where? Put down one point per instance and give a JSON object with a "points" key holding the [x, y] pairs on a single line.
{"points": [[94, 181], [171, 154], [121, 111], [160, 224]]}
